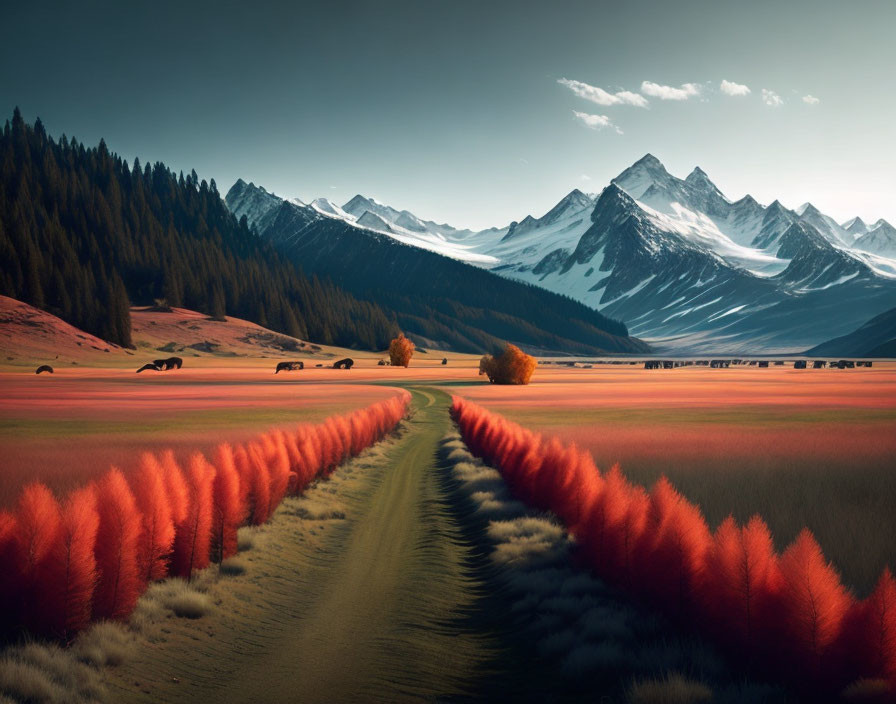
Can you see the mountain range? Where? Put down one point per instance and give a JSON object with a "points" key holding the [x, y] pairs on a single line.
{"points": [[684, 266], [437, 300]]}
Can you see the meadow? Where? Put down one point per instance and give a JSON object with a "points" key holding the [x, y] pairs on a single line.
{"points": [[68, 429], [809, 448]]}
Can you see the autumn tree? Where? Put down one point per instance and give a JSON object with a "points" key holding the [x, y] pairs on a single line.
{"points": [[401, 349], [512, 366]]}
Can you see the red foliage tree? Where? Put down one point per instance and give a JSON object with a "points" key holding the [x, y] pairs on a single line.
{"points": [[512, 366], [8, 576], [70, 576], [743, 583], [259, 485], [868, 639], [227, 512], [192, 540], [673, 550], [401, 349], [38, 519], [814, 605], [116, 548], [176, 486], [157, 531]]}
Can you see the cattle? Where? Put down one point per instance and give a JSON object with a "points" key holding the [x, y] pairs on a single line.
{"points": [[346, 363], [289, 366], [153, 367], [170, 363], [384, 363], [444, 361], [763, 364], [651, 364], [844, 364], [799, 364], [819, 364], [719, 364], [44, 368], [668, 365]]}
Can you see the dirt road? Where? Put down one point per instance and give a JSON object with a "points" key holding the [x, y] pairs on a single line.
{"points": [[374, 606]]}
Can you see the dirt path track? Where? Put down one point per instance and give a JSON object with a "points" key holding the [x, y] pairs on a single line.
{"points": [[372, 610]]}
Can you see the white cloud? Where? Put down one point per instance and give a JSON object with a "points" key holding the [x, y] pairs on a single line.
{"points": [[602, 97], [687, 90], [596, 122], [732, 88], [811, 100], [772, 99], [585, 177]]}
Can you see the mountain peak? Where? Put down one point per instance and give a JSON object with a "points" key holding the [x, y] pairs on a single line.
{"points": [[650, 161], [696, 175]]}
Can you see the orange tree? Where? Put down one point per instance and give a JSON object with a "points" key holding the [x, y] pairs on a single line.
{"points": [[401, 349], [512, 366]]}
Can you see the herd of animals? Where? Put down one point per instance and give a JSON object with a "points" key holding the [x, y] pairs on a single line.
{"points": [[161, 365], [726, 363]]}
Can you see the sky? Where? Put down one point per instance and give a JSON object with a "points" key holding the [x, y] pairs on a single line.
{"points": [[471, 112]]}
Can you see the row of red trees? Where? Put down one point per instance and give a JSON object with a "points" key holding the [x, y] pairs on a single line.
{"points": [[787, 615], [90, 556]]}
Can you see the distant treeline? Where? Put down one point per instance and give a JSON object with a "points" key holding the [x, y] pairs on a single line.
{"points": [[83, 235]]}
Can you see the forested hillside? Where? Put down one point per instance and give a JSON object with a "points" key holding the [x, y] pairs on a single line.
{"points": [[83, 235]]}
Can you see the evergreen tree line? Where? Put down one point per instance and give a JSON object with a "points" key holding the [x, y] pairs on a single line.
{"points": [[84, 236]]}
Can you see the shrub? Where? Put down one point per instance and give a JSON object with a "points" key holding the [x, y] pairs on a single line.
{"points": [[401, 349], [512, 366], [116, 548]]}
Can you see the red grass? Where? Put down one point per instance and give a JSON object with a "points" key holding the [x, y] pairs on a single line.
{"points": [[66, 590], [116, 548], [192, 539], [791, 613], [157, 531], [743, 583], [38, 520], [94, 556], [227, 508]]}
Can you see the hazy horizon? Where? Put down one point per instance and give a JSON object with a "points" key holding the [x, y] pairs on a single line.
{"points": [[471, 114]]}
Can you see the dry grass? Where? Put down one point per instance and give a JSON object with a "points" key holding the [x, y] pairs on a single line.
{"points": [[591, 634], [673, 689]]}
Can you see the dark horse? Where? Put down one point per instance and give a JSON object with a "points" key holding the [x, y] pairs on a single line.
{"points": [[170, 363], [289, 366], [344, 363]]}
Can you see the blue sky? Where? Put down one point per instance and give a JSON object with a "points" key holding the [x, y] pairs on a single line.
{"points": [[475, 113]]}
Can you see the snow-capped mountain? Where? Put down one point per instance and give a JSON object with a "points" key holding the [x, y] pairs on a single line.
{"points": [[678, 261], [683, 265], [881, 240]]}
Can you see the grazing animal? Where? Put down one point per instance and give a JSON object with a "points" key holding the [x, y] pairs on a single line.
{"points": [[150, 368], [44, 368], [444, 360], [819, 364], [384, 363], [289, 366], [799, 364], [763, 364], [344, 363], [170, 363]]}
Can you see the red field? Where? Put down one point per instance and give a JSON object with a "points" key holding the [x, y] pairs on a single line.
{"points": [[803, 448], [66, 429]]}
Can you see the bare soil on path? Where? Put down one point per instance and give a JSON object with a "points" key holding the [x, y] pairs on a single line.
{"points": [[376, 604]]}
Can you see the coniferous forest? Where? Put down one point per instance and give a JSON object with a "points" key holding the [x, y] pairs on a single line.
{"points": [[84, 235]]}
